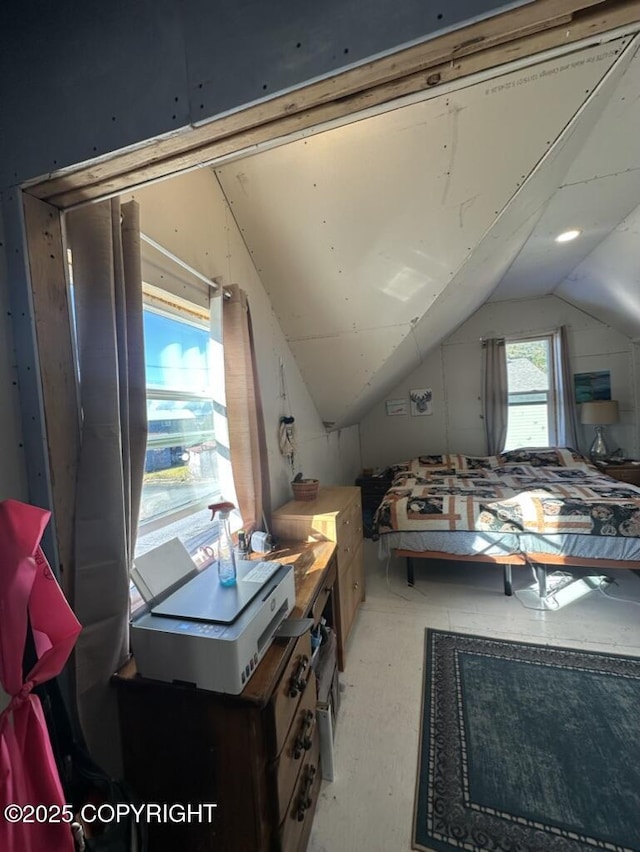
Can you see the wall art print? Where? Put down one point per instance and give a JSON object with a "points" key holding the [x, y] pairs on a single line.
{"points": [[592, 386], [397, 407], [421, 401]]}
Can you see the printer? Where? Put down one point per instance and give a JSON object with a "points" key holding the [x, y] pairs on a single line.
{"points": [[193, 630]]}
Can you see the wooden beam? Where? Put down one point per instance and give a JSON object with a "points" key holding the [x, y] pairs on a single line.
{"points": [[51, 310], [516, 34]]}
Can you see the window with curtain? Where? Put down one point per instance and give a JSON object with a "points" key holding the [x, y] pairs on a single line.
{"points": [[186, 461], [531, 377]]}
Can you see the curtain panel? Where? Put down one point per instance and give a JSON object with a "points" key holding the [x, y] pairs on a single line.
{"points": [[107, 286], [495, 394], [567, 420], [247, 441]]}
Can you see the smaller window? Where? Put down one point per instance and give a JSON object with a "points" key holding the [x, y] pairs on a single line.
{"points": [[531, 381]]}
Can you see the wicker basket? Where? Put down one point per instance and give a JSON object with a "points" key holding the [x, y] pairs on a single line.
{"points": [[305, 489]]}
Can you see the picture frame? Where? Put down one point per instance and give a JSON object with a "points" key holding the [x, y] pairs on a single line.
{"points": [[592, 386], [396, 407], [421, 404]]}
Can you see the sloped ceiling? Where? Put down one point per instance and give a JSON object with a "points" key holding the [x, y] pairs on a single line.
{"points": [[377, 239]]}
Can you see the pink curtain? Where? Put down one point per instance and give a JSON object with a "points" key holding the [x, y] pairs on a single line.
{"points": [[29, 593]]}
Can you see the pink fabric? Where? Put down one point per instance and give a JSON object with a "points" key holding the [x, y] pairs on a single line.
{"points": [[28, 773]]}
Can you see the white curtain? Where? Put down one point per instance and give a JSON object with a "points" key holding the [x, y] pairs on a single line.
{"points": [[566, 417], [247, 441], [495, 394], [107, 285]]}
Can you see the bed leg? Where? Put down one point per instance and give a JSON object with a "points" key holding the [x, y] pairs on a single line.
{"points": [[541, 576], [508, 588], [410, 577]]}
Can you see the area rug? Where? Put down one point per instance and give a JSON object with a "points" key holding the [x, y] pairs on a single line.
{"points": [[526, 748]]}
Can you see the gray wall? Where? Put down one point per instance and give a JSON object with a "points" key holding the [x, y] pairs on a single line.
{"points": [[80, 80], [12, 465]]}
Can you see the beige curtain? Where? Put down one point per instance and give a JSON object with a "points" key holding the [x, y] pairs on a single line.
{"points": [[107, 284], [495, 394], [565, 401], [247, 442]]}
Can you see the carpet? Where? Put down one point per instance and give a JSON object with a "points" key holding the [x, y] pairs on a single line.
{"points": [[525, 748]]}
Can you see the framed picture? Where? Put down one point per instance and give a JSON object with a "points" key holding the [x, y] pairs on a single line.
{"points": [[396, 407], [592, 386], [421, 401]]}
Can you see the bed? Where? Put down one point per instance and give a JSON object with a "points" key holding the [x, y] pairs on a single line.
{"points": [[531, 506]]}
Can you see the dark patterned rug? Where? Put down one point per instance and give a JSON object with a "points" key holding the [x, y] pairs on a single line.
{"points": [[527, 748]]}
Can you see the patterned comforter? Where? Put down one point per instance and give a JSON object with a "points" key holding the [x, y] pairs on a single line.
{"points": [[540, 491]]}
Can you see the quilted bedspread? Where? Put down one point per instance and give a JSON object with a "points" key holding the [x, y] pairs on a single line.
{"points": [[541, 491]]}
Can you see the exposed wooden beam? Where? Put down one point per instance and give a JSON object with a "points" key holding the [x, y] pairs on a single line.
{"points": [[51, 312], [519, 33]]}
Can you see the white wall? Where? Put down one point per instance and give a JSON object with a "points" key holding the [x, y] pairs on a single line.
{"points": [[453, 371], [13, 477], [189, 216]]}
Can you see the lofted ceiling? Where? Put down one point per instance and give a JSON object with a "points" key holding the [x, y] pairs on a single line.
{"points": [[376, 239]]}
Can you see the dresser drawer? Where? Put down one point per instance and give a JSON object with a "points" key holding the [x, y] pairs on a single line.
{"points": [[624, 474], [292, 685], [349, 535], [296, 826], [349, 523], [351, 590], [323, 595], [299, 741]]}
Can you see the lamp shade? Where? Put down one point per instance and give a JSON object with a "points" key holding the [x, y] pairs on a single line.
{"points": [[599, 412]]}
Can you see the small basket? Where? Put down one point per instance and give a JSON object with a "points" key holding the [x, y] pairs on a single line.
{"points": [[305, 489]]}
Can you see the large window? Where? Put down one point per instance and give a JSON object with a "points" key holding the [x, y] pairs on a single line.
{"points": [[531, 380], [186, 462], [181, 469]]}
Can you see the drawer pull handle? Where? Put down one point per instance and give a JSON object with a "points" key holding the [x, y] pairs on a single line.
{"points": [[298, 683], [305, 801], [304, 739], [355, 586]]}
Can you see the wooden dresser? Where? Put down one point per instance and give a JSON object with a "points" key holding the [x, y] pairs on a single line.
{"points": [[255, 756], [624, 472], [336, 515]]}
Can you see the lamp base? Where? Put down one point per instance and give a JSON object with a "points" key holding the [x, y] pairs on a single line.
{"points": [[598, 451]]}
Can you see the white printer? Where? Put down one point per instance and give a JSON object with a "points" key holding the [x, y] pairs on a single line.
{"points": [[195, 631]]}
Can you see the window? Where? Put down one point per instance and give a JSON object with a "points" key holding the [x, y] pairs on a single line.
{"points": [[531, 380], [181, 469], [186, 462]]}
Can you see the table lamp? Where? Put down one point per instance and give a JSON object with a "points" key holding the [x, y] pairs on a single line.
{"points": [[599, 413]]}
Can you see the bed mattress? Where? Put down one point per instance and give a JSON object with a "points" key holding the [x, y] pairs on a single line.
{"points": [[549, 500]]}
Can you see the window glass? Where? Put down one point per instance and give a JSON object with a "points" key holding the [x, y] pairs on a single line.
{"points": [[181, 465], [187, 442], [530, 381], [176, 354]]}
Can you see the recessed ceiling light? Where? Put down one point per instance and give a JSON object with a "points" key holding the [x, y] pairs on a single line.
{"points": [[567, 236]]}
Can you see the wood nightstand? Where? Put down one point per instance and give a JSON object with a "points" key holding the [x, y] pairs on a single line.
{"points": [[373, 490], [624, 472]]}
